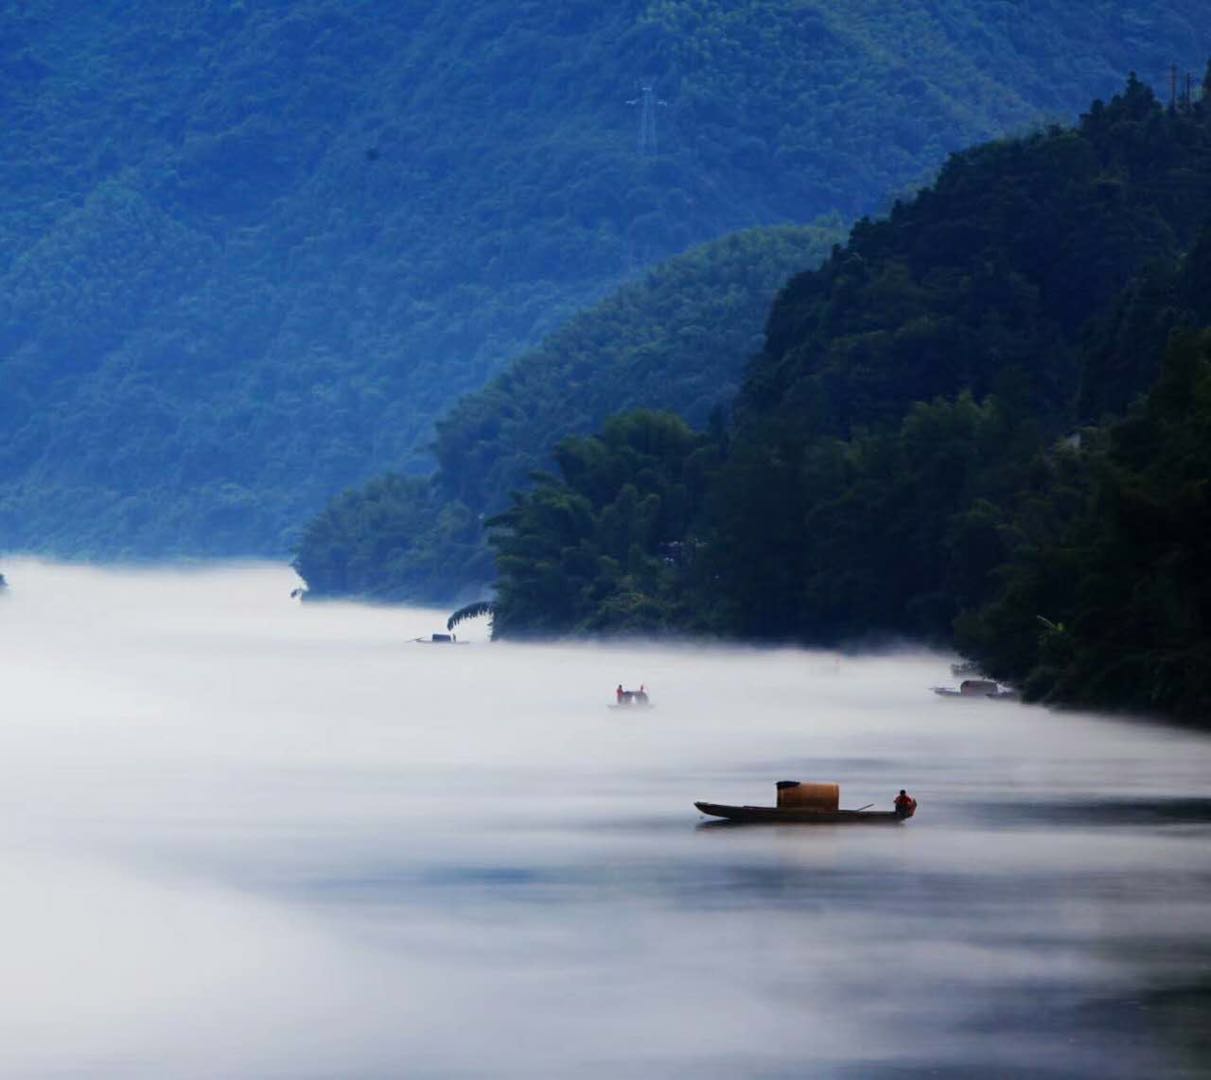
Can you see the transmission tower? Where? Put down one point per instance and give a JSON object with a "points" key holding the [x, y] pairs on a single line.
{"points": [[648, 103]]}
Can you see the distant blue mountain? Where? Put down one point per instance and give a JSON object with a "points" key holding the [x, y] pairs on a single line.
{"points": [[250, 250]]}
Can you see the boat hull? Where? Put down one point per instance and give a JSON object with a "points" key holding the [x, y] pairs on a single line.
{"points": [[772, 815]]}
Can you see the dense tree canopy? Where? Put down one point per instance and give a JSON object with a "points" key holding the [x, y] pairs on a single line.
{"points": [[1004, 280], [991, 273], [1070, 558], [603, 546], [1106, 601]]}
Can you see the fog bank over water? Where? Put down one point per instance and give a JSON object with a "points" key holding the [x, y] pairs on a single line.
{"points": [[247, 837]]}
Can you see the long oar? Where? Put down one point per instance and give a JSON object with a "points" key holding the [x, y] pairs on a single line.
{"points": [[866, 807]]}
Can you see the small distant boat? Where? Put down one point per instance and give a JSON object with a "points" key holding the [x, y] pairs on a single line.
{"points": [[440, 639], [806, 804], [977, 688]]}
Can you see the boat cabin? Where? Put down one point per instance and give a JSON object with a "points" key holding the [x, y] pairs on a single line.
{"points": [[977, 687]]}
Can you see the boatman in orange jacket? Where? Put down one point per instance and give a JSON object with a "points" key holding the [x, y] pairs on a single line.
{"points": [[905, 804]]}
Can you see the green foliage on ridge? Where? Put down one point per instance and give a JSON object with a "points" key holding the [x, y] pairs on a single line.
{"points": [[601, 548], [1104, 600], [251, 249], [992, 282], [678, 340], [1036, 282], [675, 340], [992, 272]]}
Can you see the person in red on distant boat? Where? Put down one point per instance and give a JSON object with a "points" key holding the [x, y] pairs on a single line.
{"points": [[619, 692], [905, 804]]}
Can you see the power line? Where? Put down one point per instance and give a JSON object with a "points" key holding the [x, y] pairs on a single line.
{"points": [[648, 102]]}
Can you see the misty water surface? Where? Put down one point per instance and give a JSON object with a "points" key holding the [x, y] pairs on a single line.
{"points": [[248, 838]]}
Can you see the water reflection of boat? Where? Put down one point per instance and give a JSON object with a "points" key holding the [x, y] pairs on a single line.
{"points": [[631, 699], [805, 804]]}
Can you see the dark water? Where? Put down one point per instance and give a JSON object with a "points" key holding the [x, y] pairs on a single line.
{"points": [[244, 838]]}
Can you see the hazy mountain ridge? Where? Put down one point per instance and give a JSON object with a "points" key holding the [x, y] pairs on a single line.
{"points": [[259, 246], [677, 339]]}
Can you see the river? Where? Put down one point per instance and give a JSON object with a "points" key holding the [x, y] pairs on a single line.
{"points": [[245, 837]]}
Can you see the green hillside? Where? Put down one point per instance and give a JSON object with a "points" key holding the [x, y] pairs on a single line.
{"points": [[250, 250], [677, 339], [993, 282], [913, 456], [1105, 597]]}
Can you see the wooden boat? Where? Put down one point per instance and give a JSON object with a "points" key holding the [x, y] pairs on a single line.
{"points": [[794, 815], [805, 803], [977, 688]]}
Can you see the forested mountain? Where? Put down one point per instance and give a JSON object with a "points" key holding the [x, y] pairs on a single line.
{"points": [[250, 249], [1034, 288], [992, 282], [1105, 598], [675, 340]]}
